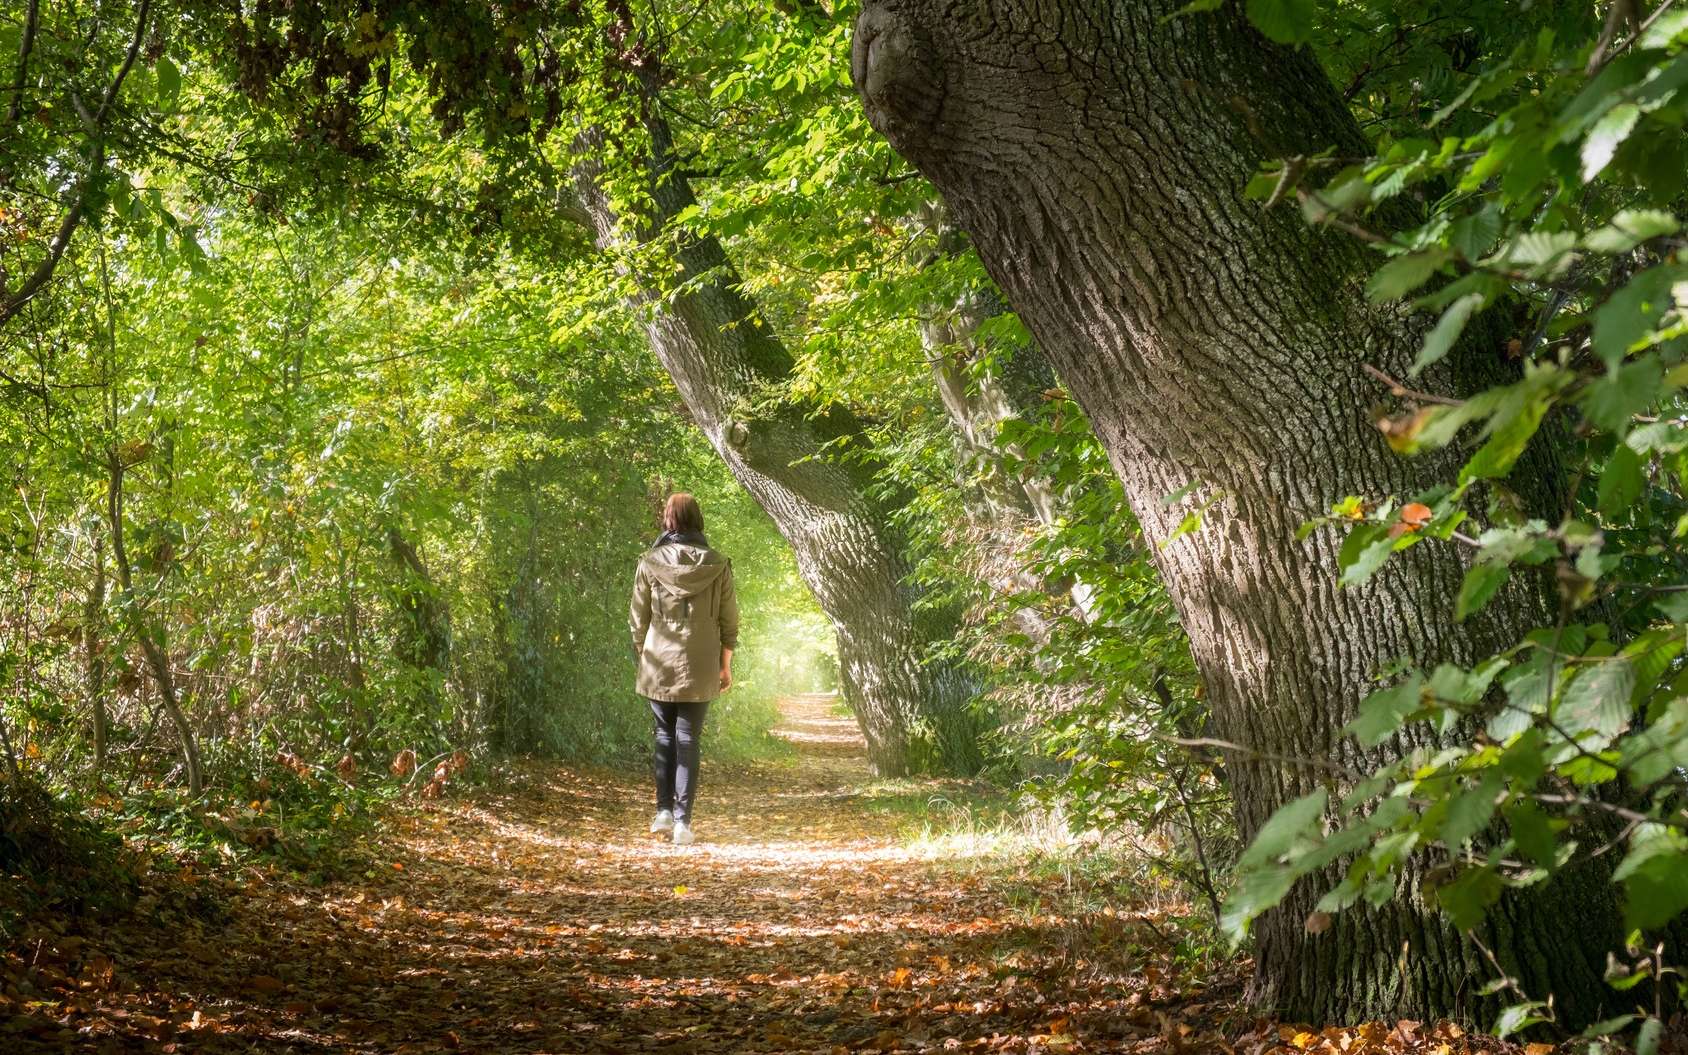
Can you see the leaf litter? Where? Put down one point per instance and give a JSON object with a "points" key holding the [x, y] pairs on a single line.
{"points": [[541, 917]]}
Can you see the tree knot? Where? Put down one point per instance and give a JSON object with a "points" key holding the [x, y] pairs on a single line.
{"points": [[897, 74]]}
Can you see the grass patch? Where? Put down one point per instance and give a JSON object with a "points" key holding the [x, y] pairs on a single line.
{"points": [[1081, 889]]}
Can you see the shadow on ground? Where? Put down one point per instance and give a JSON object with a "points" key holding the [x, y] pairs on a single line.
{"points": [[544, 918]]}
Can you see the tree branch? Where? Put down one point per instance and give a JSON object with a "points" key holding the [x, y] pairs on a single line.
{"points": [[13, 302], [31, 19]]}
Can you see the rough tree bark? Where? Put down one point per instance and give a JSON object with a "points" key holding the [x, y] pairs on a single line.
{"points": [[721, 354], [1096, 151]]}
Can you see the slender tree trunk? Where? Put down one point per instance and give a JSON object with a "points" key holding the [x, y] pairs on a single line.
{"points": [[721, 353], [978, 406], [518, 622], [154, 645], [1096, 151], [94, 653], [426, 642]]}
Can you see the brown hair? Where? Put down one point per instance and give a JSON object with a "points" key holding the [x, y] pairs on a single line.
{"points": [[682, 514]]}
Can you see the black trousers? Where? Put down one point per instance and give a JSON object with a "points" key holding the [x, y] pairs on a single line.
{"points": [[679, 728]]}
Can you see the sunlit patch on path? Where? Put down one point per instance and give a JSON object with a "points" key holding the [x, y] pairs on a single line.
{"points": [[544, 918]]}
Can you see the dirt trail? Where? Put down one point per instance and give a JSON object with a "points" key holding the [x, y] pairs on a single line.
{"points": [[546, 919]]}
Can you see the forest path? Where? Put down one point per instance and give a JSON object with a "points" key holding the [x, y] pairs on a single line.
{"points": [[544, 918]]}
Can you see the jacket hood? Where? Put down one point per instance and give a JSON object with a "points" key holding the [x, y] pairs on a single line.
{"points": [[684, 570]]}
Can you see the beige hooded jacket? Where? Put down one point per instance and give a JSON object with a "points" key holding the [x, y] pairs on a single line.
{"points": [[684, 612]]}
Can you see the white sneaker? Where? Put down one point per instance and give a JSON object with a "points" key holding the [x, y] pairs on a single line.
{"points": [[663, 821], [683, 834]]}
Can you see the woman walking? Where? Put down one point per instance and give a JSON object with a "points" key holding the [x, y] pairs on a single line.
{"points": [[684, 619]]}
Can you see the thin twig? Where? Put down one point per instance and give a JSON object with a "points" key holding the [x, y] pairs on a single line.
{"points": [[15, 301], [1641, 30], [1396, 388], [1264, 756]]}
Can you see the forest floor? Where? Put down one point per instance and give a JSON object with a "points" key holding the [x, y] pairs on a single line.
{"points": [[541, 917]]}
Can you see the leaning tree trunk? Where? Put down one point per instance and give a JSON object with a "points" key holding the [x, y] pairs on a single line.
{"points": [[721, 354], [1096, 152]]}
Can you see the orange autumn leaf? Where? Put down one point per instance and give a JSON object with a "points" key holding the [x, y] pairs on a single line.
{"points": [[1415, 515]]}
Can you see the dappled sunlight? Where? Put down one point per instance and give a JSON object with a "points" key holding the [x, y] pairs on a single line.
{"points": [[822, 723], [545, 918]]}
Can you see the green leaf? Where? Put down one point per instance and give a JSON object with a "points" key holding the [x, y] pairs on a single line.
{"points": [[1480, 585], [1285, 21], [1669, 27], [1621, 483], [1652, 653], [1633, 311], [1466, 899], [1648, 1036], [1461, 688], [1443, 423], [1517, 1017], [1528, 543], [1629, 229], [1442, 336], [1673, 606], [1381, 713], [1630, 389], [1404, 274], [1363, 552], [169, 81], [1597, 699], [1660, 437], [1471, 811], [1652, 875], [1608, 1027], [1606, 136], [1532, 832], [1510, 430], [1474, 235], [1543, 252], [1253, 892], [1191, 523], [1293, 820], [1522, 761]]}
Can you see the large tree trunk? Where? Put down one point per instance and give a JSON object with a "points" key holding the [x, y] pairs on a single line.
{"points": [[1096, 152], [721, 354]]}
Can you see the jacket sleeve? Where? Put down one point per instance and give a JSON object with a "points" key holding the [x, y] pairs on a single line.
{"points": [[729, 610], [639, 610]]}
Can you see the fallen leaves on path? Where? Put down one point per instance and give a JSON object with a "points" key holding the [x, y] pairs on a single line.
{"points": [[543, 918]]}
